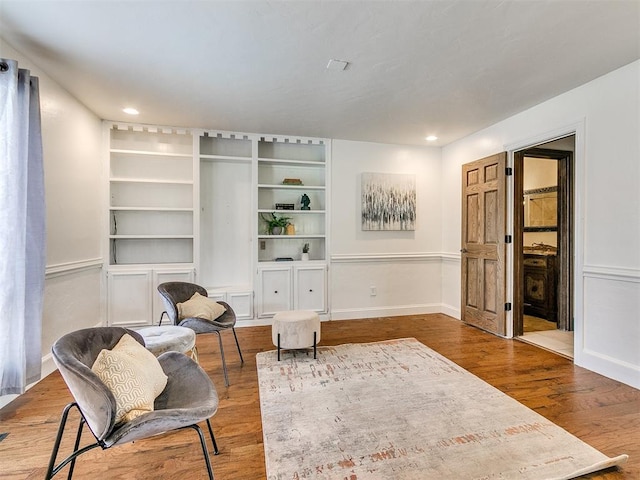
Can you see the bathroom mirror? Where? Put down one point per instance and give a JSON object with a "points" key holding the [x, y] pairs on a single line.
{"points": [[541, 210]]}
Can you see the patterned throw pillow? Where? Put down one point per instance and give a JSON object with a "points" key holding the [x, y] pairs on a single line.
{"points": [[134, 376], [199, 306]]}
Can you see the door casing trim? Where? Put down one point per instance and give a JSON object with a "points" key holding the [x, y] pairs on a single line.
{"points": [[577, 128]]}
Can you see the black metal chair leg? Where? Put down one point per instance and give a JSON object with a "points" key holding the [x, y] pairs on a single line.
{"points": [[237, 344], [224, 363], [315, 345], [207, 460], [56, 445], [162, 315], [52, 470], [75, 447], [213, 439], [278, 347]]}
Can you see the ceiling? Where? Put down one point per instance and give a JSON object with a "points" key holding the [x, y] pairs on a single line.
{"points": [[416, 68]]}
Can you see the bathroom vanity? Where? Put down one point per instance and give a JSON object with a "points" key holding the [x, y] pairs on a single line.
{"points": [[540, 284]]}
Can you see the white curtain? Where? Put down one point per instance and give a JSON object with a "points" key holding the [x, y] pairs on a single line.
{"points": [[22, 229]]}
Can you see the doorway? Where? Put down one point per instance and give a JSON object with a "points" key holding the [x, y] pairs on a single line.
{"points": [[543, 245]]}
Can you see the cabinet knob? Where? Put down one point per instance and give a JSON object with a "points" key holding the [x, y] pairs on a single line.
{"points": [[276, 291], [310, 290]]}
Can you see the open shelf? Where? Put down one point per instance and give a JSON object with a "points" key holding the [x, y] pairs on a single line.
{"points": [[151, 172]]}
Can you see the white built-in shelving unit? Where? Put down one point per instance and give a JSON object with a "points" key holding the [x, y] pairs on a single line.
{"points": [[150, 218], [304, 160], [188, 205], [150, 196], [285, 282]]}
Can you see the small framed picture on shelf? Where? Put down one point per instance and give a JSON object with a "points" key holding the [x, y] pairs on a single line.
{"points": [[284, 206]]}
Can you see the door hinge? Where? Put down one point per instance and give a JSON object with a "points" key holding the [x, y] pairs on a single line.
{"points": [[507, 306], [508, 171], [508, 239]]}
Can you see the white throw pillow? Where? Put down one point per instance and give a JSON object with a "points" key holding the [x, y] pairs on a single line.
{"points": [[134, 376], [199, 306]]}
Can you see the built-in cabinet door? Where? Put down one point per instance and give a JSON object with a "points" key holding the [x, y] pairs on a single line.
{"points": [[242, 304], [162, 276], [309, 286], [129, 298], [275, 290], [133, 297], [218, 297], [240, 301]]}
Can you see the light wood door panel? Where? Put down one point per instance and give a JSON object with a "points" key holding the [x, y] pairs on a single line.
{"points": [[483, 243]]}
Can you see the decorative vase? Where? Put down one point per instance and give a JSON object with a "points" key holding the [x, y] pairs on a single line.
{"points": [[291, 229], [276, 230], [305, 257]]}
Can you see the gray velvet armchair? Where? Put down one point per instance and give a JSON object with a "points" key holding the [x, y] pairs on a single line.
{"points": [[173, 293], [188, 398]]}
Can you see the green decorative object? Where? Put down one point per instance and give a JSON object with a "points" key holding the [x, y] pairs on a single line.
{"points": [[275, 224], [305, 201]]}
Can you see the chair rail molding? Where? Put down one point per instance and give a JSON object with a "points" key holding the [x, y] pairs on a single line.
{"points": [[390, 257], [623, 274], [76, 266]]}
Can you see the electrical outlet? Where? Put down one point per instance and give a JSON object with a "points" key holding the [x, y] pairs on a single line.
{"points": [[263, 245], [373, 291]]}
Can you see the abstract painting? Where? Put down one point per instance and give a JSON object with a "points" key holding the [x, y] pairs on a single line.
{"points": [[388, 201]]}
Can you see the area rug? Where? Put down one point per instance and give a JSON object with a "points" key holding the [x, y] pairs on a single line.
{"points": [[398, 410]]}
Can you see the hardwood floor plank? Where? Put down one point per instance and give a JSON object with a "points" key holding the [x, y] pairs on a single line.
{"points": [[600, 411]]}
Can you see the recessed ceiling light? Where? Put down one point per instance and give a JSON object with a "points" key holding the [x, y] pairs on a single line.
{"points": [[431, 138], [130, 111]]}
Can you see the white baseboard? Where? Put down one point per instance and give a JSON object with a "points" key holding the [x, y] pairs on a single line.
{"points": [[255, 322], [451, 311], [609, 367]]}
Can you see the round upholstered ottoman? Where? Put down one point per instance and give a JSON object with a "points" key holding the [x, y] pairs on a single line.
{"points": [[169, 338], [296, 329]]}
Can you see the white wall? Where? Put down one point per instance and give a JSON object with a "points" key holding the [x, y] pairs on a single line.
{"points": [[413, 272], [403, 266], [605, 113], [72, 147]]}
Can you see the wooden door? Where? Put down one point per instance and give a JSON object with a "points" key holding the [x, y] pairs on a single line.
{"points": [[483, 243]]}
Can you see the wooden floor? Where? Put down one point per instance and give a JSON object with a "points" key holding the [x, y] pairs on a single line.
{"points": [[600, 411]]}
